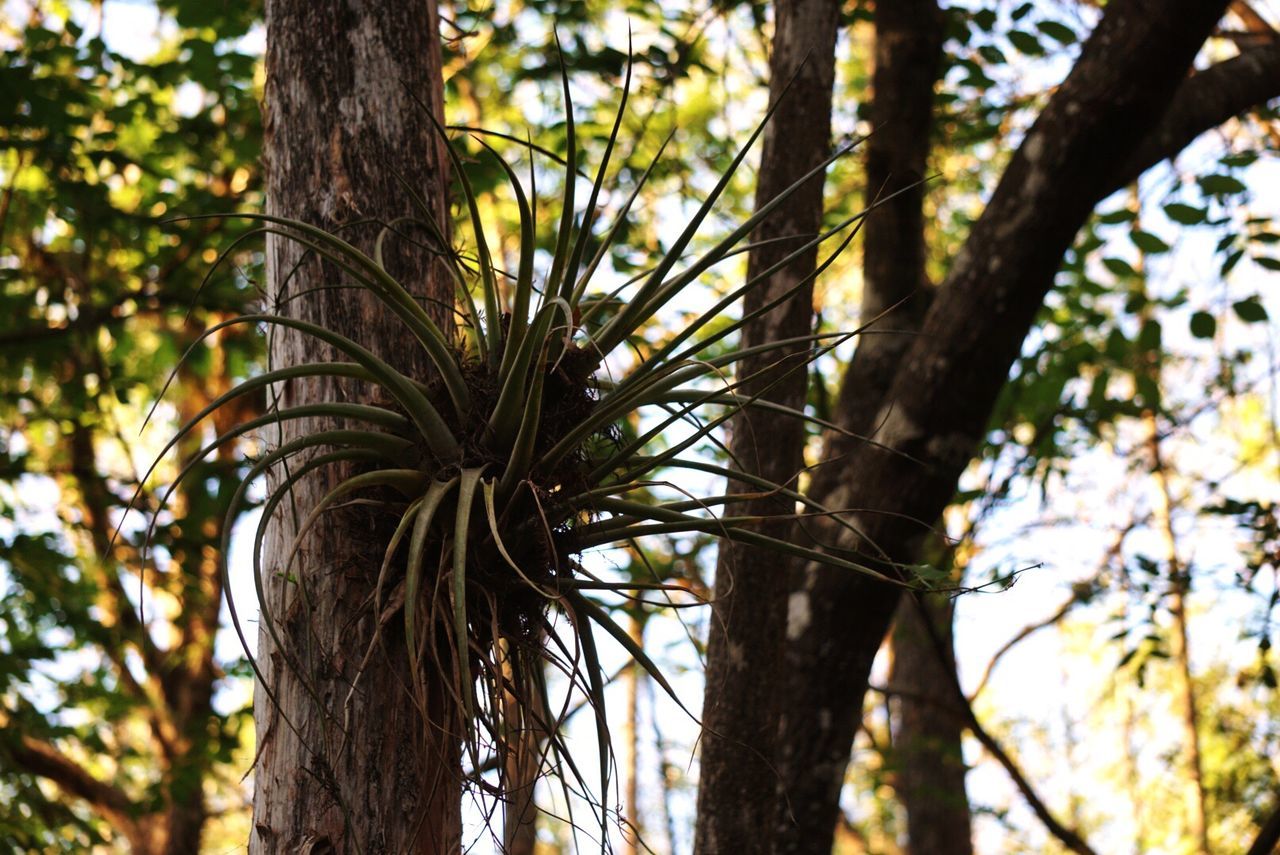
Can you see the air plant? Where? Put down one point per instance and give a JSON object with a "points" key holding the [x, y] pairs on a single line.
{"points": [[503, 467]]}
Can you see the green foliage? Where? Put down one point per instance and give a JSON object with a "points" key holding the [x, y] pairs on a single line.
{"points": [[98, 296]]}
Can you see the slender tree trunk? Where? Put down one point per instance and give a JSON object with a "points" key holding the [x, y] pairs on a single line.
{"points": [[908, 55], [346, 761], [668, 772], [937, 406], [522, 767], [927, 742], [633, 829], [740, 712], [1132, 777], [1179, 585]]}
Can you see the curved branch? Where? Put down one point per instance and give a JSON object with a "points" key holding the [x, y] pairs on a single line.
{"points": [[940, 399], [1068, 837], [41, 758], [1204, 101]]}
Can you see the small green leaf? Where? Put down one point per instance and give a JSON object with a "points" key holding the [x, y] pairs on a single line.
{"points": [[992, 54], [1119, 267], [1221, 185], [1250, 311], [1058, 32], [1231, 261], [1267, 262], [1120, 215], [1148, 243], [1025, 42], [1149, 336], [1203, 325], [1243, 158], [1187, 215], [977, 80]]}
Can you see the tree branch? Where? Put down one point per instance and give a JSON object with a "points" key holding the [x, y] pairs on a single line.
{"points": [[41, 758], [941, 397], [1068, 837], [1203, 102], [1268, 839]]}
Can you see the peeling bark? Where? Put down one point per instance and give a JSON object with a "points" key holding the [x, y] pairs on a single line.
{"points": [[362, 772]]}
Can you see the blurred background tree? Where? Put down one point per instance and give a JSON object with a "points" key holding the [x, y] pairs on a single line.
{"points": [[120, 718]]}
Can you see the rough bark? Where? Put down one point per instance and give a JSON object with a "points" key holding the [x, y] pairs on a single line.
{"points": [[927, 749], [908, 56], [937, 406], [738, 779], [362, 772]]}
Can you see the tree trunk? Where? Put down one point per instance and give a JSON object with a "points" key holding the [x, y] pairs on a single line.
{"points": [[346, 761], [908, 56], [940, 399], [522, 768], [633, 830], [740, 714], [1179, 586], [927, 741]]}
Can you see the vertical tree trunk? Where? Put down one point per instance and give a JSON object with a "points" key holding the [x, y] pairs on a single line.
{"points": [[522, 767], [1179, 585], [908, 56], [1132, 776], [927, 741], [748, 624], [362, 772], [629, 758]]}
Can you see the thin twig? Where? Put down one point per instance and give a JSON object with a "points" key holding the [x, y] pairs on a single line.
{"points": [[1069, 838]]}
